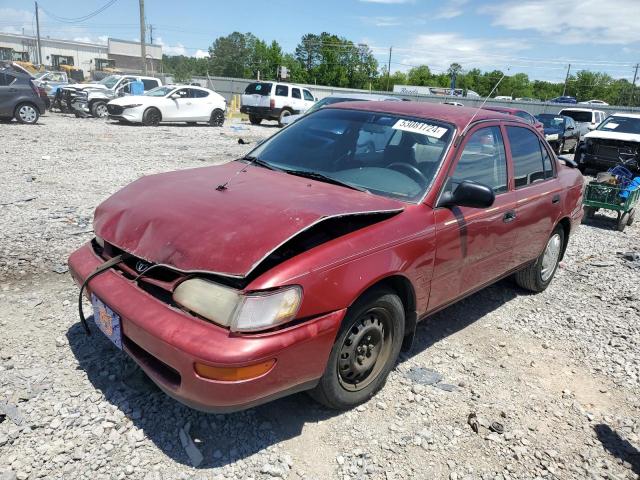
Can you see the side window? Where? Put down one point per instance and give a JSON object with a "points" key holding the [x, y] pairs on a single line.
{"points": [[546, 162], [199, 93], [308, 96], [526, 117], [127, 84], [295, 93], [182, 93], [483, 160], [282, 91], [526, 155], [149, 84], [6, 79]]}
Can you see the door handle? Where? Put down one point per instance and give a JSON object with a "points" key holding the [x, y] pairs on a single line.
{"points": [[509, 216], [555, 198]]}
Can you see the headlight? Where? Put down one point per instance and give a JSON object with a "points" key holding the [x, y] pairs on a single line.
{"points": [[134, 105], [240, 312], [553, 136]]}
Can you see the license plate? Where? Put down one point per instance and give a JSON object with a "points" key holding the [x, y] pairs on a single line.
{"points": [[107, 321]]}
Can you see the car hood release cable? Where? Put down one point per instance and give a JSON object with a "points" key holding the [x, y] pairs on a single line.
{"points": [[101, 269]]}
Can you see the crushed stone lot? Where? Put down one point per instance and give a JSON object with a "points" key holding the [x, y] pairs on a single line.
{"points": [[551, 382]]}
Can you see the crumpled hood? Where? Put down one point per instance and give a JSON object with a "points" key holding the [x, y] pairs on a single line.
{"points": [[604, 134], [180, 219]]}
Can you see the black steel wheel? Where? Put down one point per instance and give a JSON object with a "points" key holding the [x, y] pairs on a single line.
{"points": [[151, 117], [623, 220], [255, 120], [217, 118], [365, 350]]}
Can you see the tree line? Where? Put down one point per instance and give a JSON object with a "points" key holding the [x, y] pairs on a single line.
{"points": [[328, 59]]}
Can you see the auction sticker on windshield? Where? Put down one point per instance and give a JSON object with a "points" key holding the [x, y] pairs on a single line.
{"points": [[420, 127]]}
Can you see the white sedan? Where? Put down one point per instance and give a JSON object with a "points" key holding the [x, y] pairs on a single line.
{"points": [[171, 103]]}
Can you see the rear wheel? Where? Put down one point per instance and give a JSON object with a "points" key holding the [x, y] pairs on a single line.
{"points": [[151, 117], [99, 109], [623, 221], [255, 120], [632, 217], [537, 276], [217, 118], [365, 350], [283, 114], [589, 212], [27, 113]]}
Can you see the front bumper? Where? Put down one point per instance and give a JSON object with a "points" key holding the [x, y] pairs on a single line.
{"points": [[598, 162], [166, 342]]}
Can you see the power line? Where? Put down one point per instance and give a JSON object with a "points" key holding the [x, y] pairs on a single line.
{"points": [[79, 19]]}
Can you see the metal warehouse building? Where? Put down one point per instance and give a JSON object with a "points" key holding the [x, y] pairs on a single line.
{"points": [[126, 54]]}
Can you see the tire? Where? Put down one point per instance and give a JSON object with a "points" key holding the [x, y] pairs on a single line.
{"points": [[99, 109], [217, 118], [27, 113], [255, 120], [632, 217], [284, 113], [623, 222], [366, 349], [589, 212], [151, 117], [537, 276]]}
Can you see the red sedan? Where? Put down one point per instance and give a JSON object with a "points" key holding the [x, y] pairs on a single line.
{"points": [[307, 264], [516, 112]]}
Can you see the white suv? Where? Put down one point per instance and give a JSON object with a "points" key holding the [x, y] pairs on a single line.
{"points": [[274, 101], [586, 119]]}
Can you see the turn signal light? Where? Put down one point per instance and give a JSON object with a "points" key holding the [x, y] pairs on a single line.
{"points": [[234, 374]]}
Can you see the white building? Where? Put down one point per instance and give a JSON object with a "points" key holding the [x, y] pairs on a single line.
{"points": [[126, 54]]}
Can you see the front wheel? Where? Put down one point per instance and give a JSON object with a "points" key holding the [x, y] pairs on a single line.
{"points": [[255, 120], [365, 351], [217, 118], [537, 276], [99, 109], [27, 113], [151, 117]]}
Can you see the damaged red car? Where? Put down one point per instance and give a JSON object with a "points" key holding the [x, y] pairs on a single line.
{"points": [[307, 264]]}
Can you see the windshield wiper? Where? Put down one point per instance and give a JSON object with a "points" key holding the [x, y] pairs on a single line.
{"points": [[256, 161], [323, 178]]}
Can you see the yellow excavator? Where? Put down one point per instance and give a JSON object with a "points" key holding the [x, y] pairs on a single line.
{"points": [[30, 67]]}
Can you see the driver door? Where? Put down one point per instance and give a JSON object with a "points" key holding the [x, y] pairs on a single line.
{"points": [[474, 245], [177, 107]]}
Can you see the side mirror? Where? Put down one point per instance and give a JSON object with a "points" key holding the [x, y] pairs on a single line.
{"points": [[468, 194], [568, 161]]}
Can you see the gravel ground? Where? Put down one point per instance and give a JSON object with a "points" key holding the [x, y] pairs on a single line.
{"points": [[550, 381]]}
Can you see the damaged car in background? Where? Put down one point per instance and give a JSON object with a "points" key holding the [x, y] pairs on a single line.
{"points": [[306, 264], [615, 141], [92, 98]]}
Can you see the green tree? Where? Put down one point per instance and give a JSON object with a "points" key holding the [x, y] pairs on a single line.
{"points": [[420, 76]]}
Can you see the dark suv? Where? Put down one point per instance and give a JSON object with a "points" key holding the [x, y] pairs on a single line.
{"points": [[19, 98]]}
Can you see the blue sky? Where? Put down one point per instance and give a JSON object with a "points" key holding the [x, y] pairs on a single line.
{"points": [[538, 37]]}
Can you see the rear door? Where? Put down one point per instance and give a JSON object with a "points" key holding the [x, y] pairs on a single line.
{"points": [[281, 95], [474, 245], [296, 100], [538, 192], [8, 93], [308, 100], [257, 94]]}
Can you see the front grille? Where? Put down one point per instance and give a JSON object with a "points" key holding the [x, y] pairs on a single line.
{"points": [[114, 109], [615, 149]]}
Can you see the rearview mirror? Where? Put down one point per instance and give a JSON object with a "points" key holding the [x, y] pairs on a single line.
{"points": [[468, 194]]}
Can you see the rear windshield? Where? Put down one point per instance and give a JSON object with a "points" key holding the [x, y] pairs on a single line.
{"points": [[577, 115], [551, 121], [260, 88], [621, 125]]}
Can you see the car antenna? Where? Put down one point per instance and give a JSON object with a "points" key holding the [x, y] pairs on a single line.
{"points": [[464, 130], [223, 186]]}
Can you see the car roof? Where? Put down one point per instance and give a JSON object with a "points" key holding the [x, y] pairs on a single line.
{"points": [[365, 96], [458, 116], [508, 110], [579, 109]]}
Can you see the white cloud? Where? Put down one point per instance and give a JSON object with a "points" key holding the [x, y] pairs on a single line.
{"points": [[452, 9], [382, 21], [571, 22], [14, 21], [440, 50], [177, 49], [201, 54]]}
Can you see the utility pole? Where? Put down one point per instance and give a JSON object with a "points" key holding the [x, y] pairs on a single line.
{"points": [[143, 38], [633, 88], [151, 34], [389, 68], [38, 46], [566, 79]]}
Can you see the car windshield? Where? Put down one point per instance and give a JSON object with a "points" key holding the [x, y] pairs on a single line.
{"points": [[38, 76], [159, 91], [258, 88], [388, 155], [109, 81], [621, 125], [551, 121], [330, 101], [577, 115]]}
